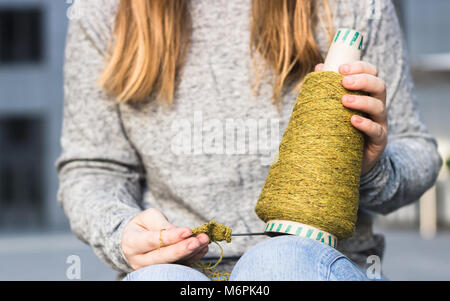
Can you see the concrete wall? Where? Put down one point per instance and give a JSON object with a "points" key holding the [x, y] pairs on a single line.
{"points": [[35, 90], [426, 25]]}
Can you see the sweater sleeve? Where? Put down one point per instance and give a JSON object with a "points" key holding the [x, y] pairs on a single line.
{"points": [[410, 163], [99, 171]]}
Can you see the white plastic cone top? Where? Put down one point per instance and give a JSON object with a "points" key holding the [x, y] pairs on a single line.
{"points": [[345, 48]]}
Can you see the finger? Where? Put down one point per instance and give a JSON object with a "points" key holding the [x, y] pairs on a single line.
{"points": [[146, 241], [319, 67], [162, 238], [367, 104], [358, 68], [195, 257], [375, 132], [365, 82], [172, 253]]}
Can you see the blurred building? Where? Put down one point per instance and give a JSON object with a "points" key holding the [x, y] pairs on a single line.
{"points": [[426, 25], [32, 38]]}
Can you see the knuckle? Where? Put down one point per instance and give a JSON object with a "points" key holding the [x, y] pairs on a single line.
{"points": [[377, 106], [383, 83], [359, 67], [363, 80], [382, 112], [152, 238], [380, 132], [372, 69], [151, 210], [375, 71]]}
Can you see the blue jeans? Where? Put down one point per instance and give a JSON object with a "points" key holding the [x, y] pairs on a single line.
{"points": [[280, 258]]}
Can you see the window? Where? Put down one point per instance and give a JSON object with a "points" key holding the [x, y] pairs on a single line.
{"points": [[20, 35], [21, 165]]}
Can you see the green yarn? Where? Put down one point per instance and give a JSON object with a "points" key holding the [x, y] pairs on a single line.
{"points": [[215, 231], [316, 178]]}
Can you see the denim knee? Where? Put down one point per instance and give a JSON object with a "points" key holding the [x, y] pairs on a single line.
{"points": [[166, 272], [288, 258], [344, 269]]}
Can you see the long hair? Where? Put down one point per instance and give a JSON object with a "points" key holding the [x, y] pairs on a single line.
{"points": [[151, 39]]}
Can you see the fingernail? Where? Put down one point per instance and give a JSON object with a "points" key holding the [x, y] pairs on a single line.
{"points": [[348, 98], [357, 119], [345, 68], [348, 80]]}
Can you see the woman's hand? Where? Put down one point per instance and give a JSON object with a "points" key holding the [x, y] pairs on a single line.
{"points": [[143, 235], [362, 76]]}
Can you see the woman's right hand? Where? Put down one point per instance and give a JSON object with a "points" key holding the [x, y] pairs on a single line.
{"points": [[142, 247]]}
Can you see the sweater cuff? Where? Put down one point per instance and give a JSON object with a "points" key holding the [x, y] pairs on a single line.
{"points": [[118, 259], [373, 176]]}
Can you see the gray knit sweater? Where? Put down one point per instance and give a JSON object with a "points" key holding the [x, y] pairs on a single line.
{"points": [[207, 156]]}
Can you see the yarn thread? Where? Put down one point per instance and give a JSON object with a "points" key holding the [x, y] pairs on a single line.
{"points": [[216, 232], [315, 180]]}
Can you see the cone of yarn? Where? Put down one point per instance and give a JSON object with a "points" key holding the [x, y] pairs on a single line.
{"points": [[315, 180]]}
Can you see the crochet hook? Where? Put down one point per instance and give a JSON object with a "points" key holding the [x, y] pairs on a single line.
{"points": [[247, 234]]}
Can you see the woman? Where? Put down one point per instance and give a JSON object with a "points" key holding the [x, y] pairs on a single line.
{"points": [[148, 148]]}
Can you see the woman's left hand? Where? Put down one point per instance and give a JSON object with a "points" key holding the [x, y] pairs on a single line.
{"points": [[362, 76]]}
